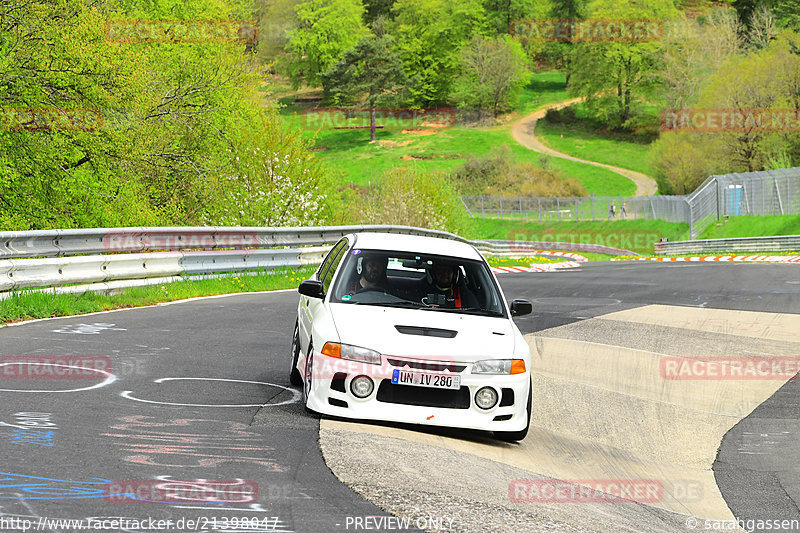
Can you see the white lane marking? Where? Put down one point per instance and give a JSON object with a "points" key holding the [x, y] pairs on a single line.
{"points": [[88, 329], [110, 378], [295, 394]]}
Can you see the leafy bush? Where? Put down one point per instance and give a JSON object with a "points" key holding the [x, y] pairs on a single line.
{"points": [[273, 181], [407, 195], [565, 115], [498, 174], [681, 161]]}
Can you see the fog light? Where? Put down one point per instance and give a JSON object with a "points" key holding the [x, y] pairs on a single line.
{"points": [[361, 386], [486, 398]]}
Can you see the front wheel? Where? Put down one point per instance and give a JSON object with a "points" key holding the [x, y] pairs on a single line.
{"points": [[294, 375], [308, 374], [514, 436]]}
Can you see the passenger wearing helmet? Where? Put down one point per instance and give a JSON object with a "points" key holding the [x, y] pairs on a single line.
{"points": [[372, 271], [447, 289]]}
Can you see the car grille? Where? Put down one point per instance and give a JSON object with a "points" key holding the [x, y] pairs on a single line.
{"points": [[453, 368], [388, 392]]}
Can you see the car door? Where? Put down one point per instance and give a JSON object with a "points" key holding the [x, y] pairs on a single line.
{"points": [[312, 307]]}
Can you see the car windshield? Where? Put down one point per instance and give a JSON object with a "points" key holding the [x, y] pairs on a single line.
{"points": [[417, 281]]}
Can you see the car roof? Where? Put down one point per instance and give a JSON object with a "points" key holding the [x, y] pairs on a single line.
{"points": [[418, 244]]}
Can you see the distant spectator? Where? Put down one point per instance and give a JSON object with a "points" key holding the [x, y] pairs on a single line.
{"points": [[612, 211]]}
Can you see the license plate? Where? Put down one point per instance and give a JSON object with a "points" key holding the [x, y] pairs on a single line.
{"points": [[421, 379]]}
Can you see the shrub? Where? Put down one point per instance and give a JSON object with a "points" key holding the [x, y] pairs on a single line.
{"points": [[681, 162], [408, 195], [499, 174], [565, 115]]}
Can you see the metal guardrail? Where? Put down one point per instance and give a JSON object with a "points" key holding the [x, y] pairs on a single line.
{"points": [[61, 242], [117, 257], [788, 243]]}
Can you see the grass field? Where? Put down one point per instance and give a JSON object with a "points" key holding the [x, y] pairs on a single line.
{"points": [[585, 140], [26, 305], [410, 140], [752, 226]]}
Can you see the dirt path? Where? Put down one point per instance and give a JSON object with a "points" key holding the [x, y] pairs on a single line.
{"points": [[523, 132]]}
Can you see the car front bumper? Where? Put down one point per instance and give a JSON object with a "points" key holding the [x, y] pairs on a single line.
{"points": [[330, 394]]}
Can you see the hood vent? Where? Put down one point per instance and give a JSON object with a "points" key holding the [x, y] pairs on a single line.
{"points": [[427, 332]]}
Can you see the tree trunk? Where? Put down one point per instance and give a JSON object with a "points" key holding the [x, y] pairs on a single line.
{"points": [[372, 135]]}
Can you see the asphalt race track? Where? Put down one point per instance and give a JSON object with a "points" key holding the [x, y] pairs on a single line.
{"points": [[195, 396]]}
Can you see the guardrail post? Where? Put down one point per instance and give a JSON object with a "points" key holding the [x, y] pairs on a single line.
{"points": [[501, 208], [540, 209], [483, 212]]}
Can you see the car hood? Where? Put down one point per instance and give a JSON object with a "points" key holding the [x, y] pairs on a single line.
{"points": [[373, 327]]}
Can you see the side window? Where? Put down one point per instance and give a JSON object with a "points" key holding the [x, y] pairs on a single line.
{"points": [[335, 258], [328, 258]]}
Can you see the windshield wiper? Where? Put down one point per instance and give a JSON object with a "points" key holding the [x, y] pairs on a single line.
{"points": [[488, 312], [407, 303]]}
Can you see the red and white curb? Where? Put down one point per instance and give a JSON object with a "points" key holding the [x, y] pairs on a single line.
{"points": [[721, 258], [548, 267]]}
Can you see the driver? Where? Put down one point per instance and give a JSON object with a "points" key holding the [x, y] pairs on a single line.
{"points": [[372, 270], [447, 289]]}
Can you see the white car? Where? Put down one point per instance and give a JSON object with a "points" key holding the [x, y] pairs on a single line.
{"points": [[412, 329]]}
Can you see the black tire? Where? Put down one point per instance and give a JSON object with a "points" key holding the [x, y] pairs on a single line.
{"points": [[515, 436], [294, 375], [308, 373]]}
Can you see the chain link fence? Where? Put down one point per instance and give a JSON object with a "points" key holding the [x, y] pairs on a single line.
{"points": [[768, 192]]}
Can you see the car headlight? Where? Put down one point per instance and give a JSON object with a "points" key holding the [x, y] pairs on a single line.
{"points": [[499, 366], [351, 353]]}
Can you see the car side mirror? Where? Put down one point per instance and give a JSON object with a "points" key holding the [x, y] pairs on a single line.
{"points": [[521, 307], [311, 288]]}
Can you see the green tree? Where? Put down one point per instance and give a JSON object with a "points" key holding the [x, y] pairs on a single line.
{"points": [[370, 71], [501, 13], [171, 117], [692, 52], [614, 75], [762, 80], [326, 29], [375, 9], [428, 36], [562, 51], [787, 13], [493, 73]]}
